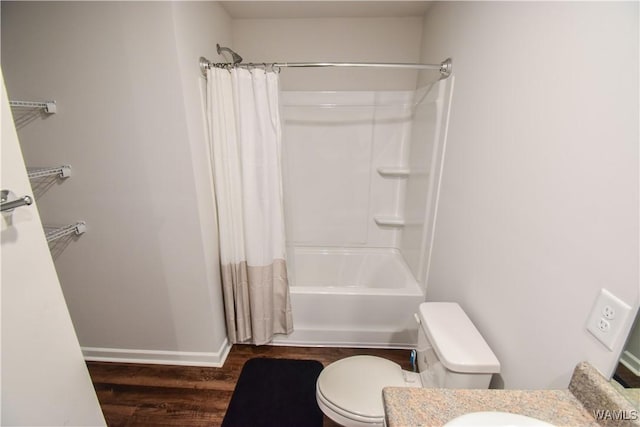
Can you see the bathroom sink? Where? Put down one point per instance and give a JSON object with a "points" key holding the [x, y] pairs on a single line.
{"points": [[496, 419]]}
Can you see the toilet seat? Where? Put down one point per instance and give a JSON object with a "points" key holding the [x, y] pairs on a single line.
{"points": [[346, 418], [352, 388]]}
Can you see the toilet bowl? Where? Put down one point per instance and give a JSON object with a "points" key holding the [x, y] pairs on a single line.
{"points": [[349, 390], [450, 353]]}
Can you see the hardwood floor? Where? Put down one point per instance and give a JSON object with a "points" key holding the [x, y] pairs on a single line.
{"points": [[626, 377], [161, 395]]}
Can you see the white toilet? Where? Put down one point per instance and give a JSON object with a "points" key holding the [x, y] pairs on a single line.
{"points": [[451, 353]]}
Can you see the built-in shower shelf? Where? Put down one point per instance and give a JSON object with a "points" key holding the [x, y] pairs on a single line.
{"points": [[389, 221], [63, 171], [54, 233], [394, 172]]}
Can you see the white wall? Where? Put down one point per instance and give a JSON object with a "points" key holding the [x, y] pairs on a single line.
{"points": [[539, 201], [141, 283], [197, 25], [333, 40], [44, 380]]}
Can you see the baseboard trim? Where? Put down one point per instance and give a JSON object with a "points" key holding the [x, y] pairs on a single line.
{"points": [[629, 360], [160, 357]]}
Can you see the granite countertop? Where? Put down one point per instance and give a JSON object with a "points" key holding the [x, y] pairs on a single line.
{"points": [[435, 407], [631, 394], [588, 392]]}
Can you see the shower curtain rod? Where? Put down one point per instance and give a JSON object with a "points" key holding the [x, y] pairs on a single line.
{"points": [[444, 67]]}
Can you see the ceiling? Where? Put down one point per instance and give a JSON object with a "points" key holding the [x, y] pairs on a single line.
{"points": [[324, 9]]}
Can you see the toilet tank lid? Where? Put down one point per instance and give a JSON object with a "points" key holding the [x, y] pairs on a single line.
{"points": [[455, 339]]}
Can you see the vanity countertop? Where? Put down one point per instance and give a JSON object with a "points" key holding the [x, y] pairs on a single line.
{"points": [[587, 393], [406, 407]]}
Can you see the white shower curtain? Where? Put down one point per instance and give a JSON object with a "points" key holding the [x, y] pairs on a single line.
{"points": [[245, 144]]}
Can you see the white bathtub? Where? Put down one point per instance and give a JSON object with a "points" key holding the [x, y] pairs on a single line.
{"points": [[352, 297]]}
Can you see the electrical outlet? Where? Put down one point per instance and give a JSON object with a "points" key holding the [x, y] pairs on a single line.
{"points": [[603, 325], [608, 312], [608, 318]]}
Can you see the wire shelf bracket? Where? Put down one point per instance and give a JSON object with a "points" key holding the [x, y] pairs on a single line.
{"points": [[54, 233], [63, 171], [49, 107]]}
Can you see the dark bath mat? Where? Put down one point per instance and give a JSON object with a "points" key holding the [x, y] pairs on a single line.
{"points": [[275, 393]]}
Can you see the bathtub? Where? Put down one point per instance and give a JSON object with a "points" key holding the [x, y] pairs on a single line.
{"points": [[352, 298]]}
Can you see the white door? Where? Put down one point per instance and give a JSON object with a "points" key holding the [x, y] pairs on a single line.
{"points": [[44, 380]]}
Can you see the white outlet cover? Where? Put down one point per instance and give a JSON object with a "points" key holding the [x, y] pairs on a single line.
{"points": [[622, 310]]}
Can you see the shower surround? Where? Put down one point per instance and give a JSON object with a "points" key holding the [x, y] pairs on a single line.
{"points": [[360, 181]]}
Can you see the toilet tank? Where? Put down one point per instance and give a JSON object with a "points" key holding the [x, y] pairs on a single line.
{"points": [[451, 353]]}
